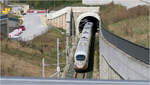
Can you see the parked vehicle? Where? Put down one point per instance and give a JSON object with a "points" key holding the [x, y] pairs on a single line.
{"points": [[41, 11], [22, 27], [30, 11], [16, 32]]}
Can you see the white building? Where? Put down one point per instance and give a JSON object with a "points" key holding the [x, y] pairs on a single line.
{"points": [[18, 7], [96, 2], [4, 1], [126, 3]]}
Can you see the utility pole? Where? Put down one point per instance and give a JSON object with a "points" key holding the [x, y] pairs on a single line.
{"points": [[58, 55], [43, 67], [67, 49], [73, 33], [73, 36], [43, 60], [68, 25]]}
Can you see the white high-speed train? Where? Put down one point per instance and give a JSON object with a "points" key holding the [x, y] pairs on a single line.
{"points": [[81, 57]]}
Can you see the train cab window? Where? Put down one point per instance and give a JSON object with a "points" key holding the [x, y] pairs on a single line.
{"points": [[80, 57]]}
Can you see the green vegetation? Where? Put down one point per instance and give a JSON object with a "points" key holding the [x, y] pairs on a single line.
{"points": [[96, 58], [50, 4], [131, 24], [24, 58], [13, 16]]}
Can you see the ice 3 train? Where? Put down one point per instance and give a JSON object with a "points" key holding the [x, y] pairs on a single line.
{"points": [[81, 57]]}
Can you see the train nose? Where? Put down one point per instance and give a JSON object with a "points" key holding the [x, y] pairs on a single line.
{"points": [[78, 67], [79, 64]]}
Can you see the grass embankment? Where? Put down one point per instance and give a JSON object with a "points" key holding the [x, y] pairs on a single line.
{"points": [[96, 58], [24, 58], [131, 24], [13, 16]]}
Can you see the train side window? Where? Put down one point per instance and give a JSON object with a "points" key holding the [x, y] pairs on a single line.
{"points": [[89, 23], [80, 57], [85, 32], [87, 27], [83, 44], [84, 37]]}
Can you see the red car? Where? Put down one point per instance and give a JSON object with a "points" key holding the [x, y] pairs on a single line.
{"points": [[41, 11], [22, 28], [30, 11]]}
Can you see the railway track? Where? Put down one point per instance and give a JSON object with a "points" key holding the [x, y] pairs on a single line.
{"points": [[80, 75]]}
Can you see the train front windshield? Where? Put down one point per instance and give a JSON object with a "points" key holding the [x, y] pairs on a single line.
{"points": [[80, 57]]}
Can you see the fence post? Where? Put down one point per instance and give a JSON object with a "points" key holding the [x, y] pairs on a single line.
{"points": [[68, 27]]}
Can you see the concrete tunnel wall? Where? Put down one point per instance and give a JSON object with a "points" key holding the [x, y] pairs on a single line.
{"points": [[94, 17]]}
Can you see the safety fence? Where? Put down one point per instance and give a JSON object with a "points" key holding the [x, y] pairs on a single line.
{"points": [[139, 52], [3, 16], [3, 24], [13, 19]]}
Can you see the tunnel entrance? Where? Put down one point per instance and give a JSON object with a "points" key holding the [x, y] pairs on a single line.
{"points": [[89, 19]]}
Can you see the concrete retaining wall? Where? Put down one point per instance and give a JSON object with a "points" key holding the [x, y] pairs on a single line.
{"points": [[106, 72], [58, 22], [139, 52], [60, 19], [126, 66]]}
